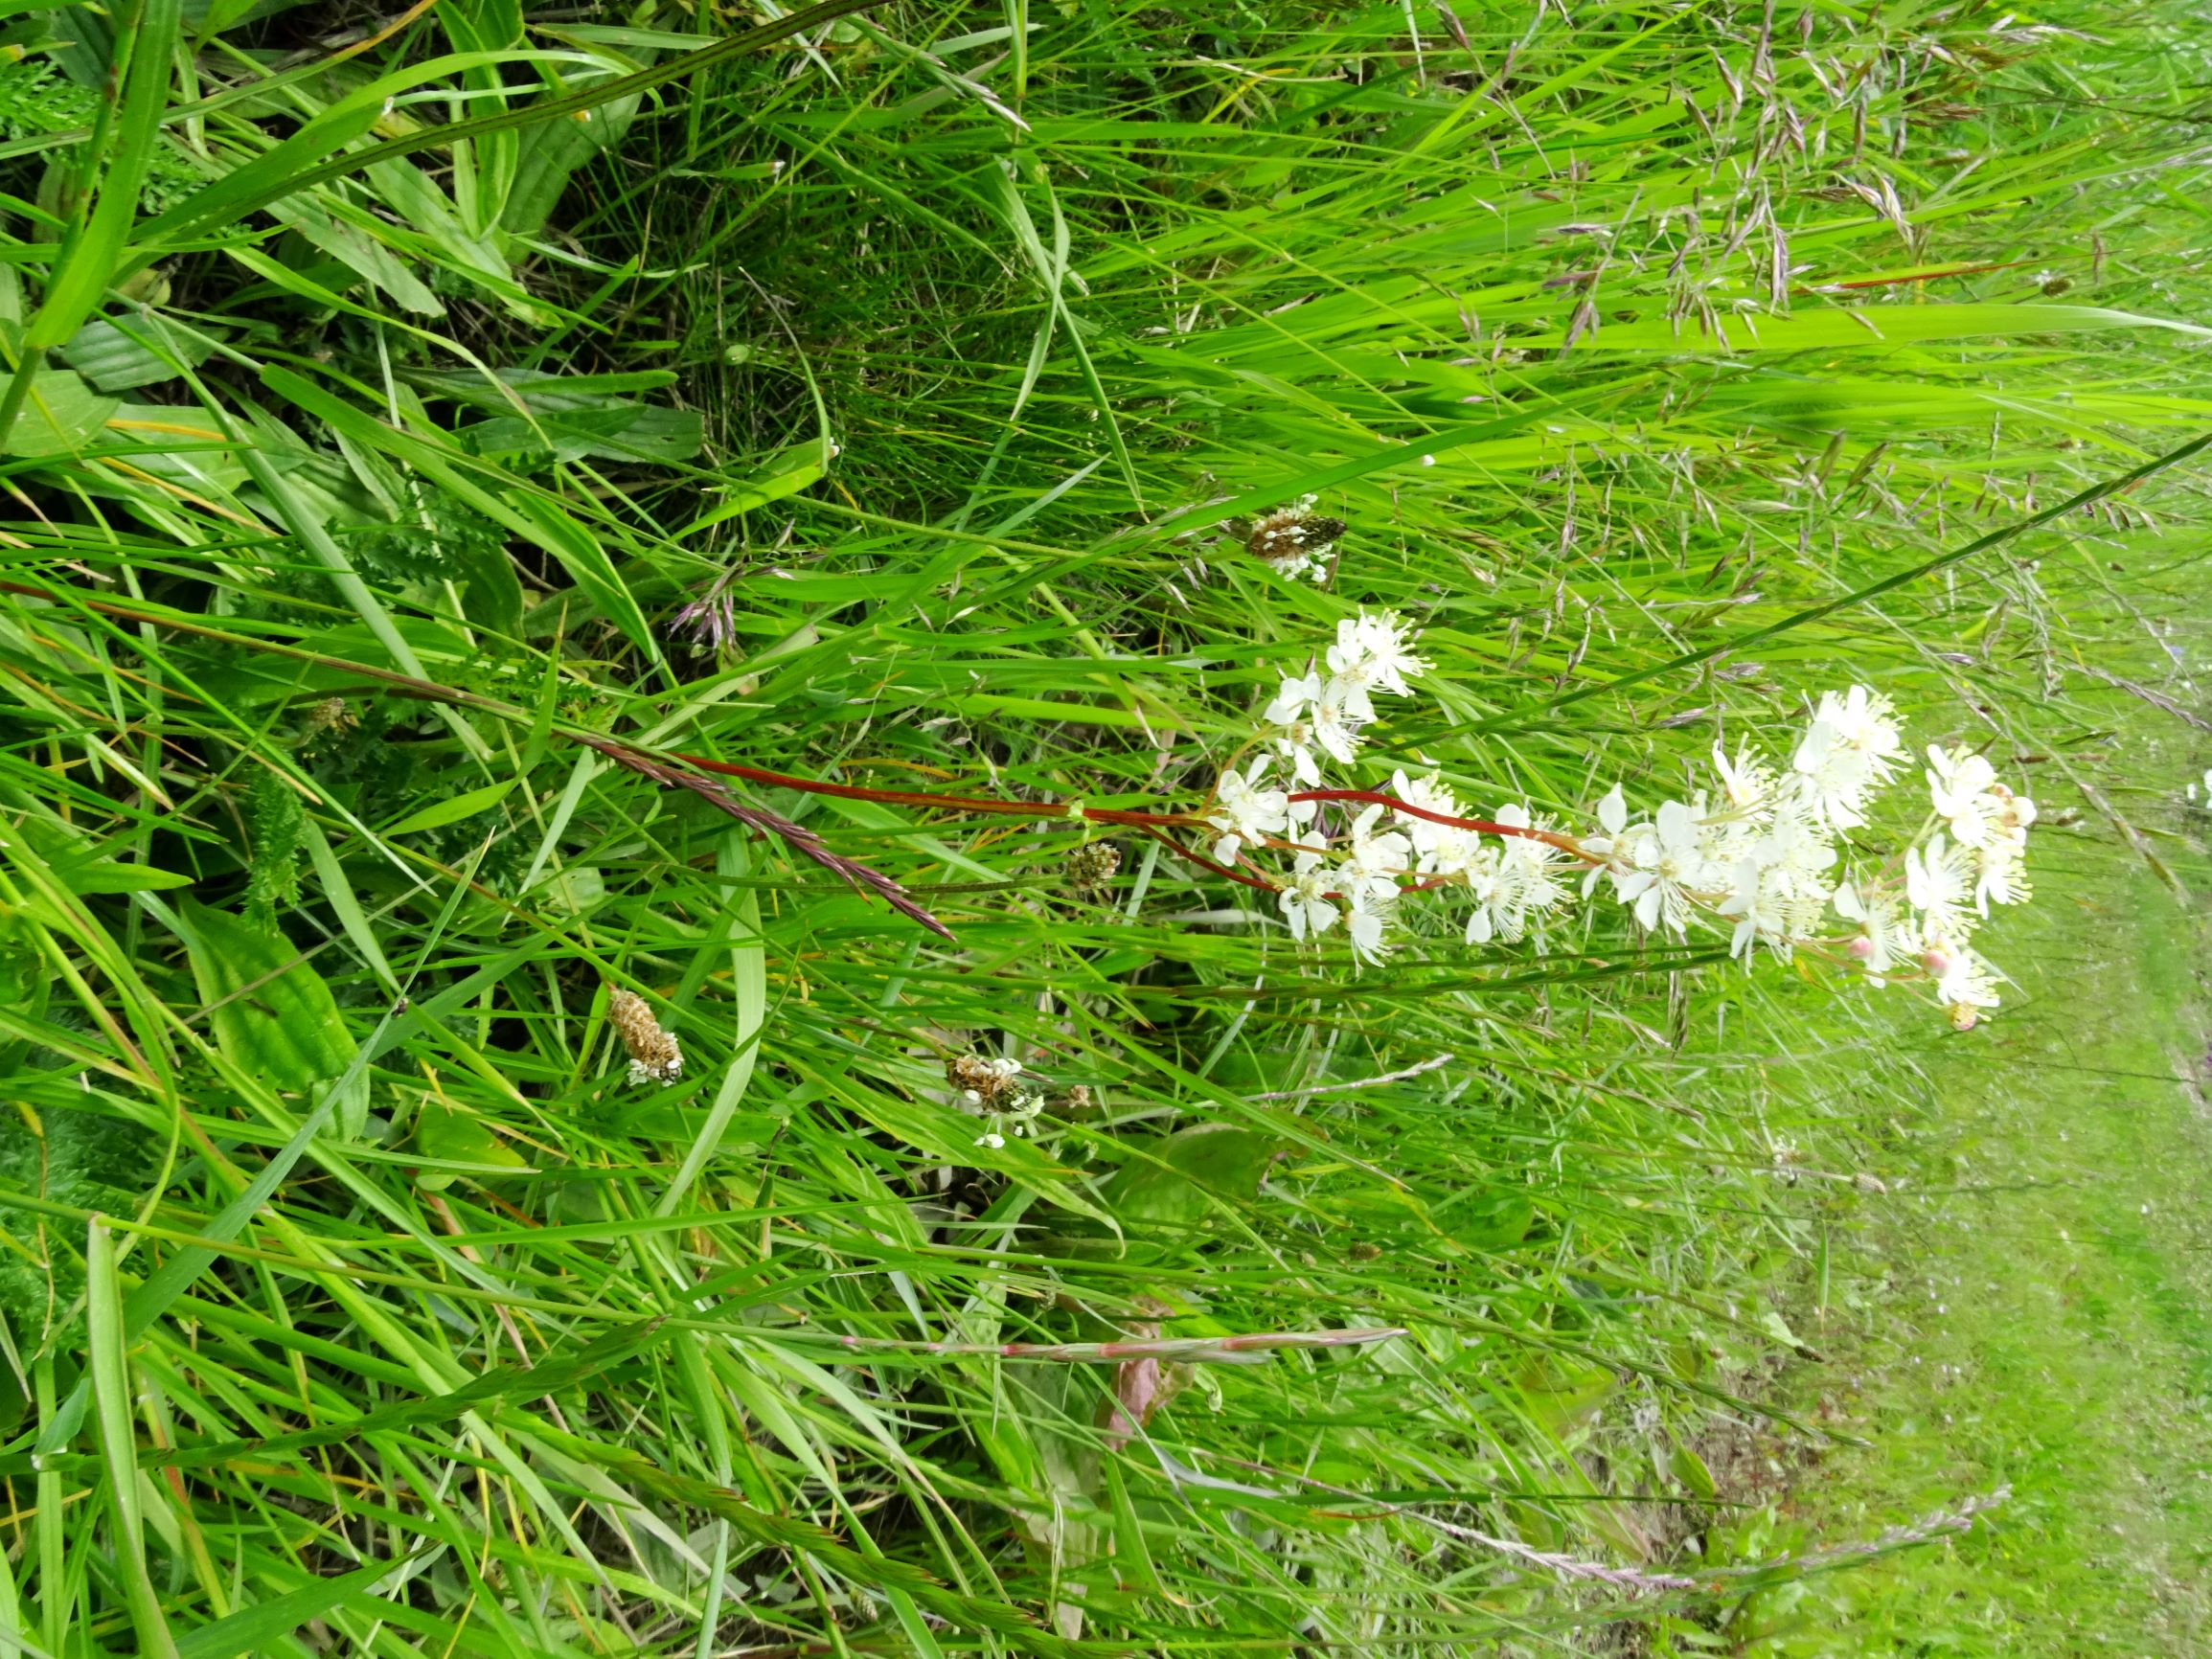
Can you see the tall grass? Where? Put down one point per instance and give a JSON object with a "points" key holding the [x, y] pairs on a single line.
{"points": [[355, 1300]]}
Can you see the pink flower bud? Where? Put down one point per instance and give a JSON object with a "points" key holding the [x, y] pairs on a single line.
{"points": [[1861, 947]]}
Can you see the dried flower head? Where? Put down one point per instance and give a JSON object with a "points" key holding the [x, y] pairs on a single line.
{"points": [[331, 714], [990, 1081], [1291, 540], [653, 1055], [1092, 866], [712, 621]]}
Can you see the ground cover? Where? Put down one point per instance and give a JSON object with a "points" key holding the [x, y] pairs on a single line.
{"points": [[420, 428]]}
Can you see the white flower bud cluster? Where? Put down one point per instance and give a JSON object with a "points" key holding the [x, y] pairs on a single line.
{"points": [[1754, 854], [992, 1088]]}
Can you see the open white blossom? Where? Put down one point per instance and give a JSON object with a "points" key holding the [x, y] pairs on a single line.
{"points": [[1863, 721], [1833, 776], [1290, 731], [1305, 898], [1939, 882], [1246, 814], [1884, 937], [1430, 793], [1958, 785], [1759, 902], [1374, 653], [1752, 851], [1665, 867], [1966, 986], [1746, 783]]}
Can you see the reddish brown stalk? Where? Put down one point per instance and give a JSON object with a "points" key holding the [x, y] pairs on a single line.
{"points": [[1481, 826], [1122, 815], [668, 770], [1205, 863]]}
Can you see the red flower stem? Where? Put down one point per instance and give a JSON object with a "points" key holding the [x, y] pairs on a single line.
{"points": [[1205, 863], [946, 803], [1154, 823], [1481, 826]]}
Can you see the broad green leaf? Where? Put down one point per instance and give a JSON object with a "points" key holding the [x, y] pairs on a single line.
{"points": [[551, 158], [446, 1134], [784, 474], [536, 388], [60, 416], [1692, 1471], [271, 1012], [115, 362], [110, 876], [453, 811], [1181, 1179], [1494, 1224], [618, 432]]}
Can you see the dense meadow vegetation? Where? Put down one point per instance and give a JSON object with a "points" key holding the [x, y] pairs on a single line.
{"points": [[479, 1180]]}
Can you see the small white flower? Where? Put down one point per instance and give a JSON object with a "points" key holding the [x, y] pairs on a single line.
{"points": [[1298, 693], [1492, 917], [1335, 727], [1374, 650], [1759, 902], [1862, 719], [1958, 785], [1247, 815], [1999, 874], [1939, 882], [1883, 936], [1377, 856], [1745, 787], [1366, 924], [1835, 775], [1527, 879], [993, 1139], [1430, 794], [1966, 986], [1666, 867], [1611, 842], [1305, 898]]}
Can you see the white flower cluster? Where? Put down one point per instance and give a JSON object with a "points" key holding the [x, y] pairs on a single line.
{"points": [[992, 1088], [1754, 854]]}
